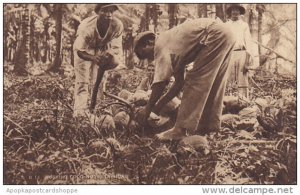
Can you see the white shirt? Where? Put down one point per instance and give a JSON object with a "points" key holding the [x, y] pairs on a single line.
{"points": [[89, 40], [243, 39]]}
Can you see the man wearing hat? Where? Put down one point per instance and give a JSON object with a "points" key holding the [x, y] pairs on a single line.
{"points": [[98, 44], [243, 50], [206, 42]]}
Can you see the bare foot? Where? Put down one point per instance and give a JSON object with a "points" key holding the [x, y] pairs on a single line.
{"points": [[171, 134]]}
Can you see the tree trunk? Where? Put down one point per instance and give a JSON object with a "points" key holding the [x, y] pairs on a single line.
{"points": [[145, 19], [22, 52], [58, 36], [32, 39], [250, 21], [155, 15], [260, 10], [202, 10], [76, 23], [172, 11], [220, 12]]}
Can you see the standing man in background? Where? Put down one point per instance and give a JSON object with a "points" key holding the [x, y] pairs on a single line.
{"points": [[97, 37], [245, 52]]}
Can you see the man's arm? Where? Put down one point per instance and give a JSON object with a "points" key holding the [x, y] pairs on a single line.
{"points": [[104, 60], [81, 44], [174, 90], [116, 43], [88, 57], [248, 41], [116, 49], [157, 91], [252, 50]]}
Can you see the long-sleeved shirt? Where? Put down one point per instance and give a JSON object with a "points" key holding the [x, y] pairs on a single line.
{"points": [[89, 40], [244, 40]]}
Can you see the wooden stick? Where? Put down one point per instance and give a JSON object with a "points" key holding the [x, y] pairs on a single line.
{"points": [[118, 98], [128, 104], [256, 84], [100, 75], [272, 50]]}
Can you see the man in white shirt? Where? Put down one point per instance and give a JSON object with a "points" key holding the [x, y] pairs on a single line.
{"points": [[204, 41], [96, 37], [244, 49]]}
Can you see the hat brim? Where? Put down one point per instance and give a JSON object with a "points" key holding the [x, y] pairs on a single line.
{"points": [[115, 7], [241, 8], [138, 39], [140, 56]]}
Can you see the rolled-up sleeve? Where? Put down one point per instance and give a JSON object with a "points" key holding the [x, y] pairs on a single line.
{"points": [[116, 48], [81, 41]]}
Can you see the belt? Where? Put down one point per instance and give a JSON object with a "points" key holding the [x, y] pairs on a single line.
{"points": [[239, 49]]}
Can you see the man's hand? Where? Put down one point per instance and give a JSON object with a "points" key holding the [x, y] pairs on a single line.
{"points": [[245, 70], [97, 59], [142, 115], [103, 59], [174, 90], [249, 62]]}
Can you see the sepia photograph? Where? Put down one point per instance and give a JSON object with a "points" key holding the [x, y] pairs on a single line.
{"points": [[149, 93]]}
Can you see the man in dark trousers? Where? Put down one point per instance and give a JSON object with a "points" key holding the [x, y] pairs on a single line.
{"points": [[206, 42], [97, 36]]}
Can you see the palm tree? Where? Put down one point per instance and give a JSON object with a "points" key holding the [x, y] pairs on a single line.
{"points": [[22, 51], [260, 8], [220, 12], [173, 12], [58, 35], [57, 13], [202, 10]]}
